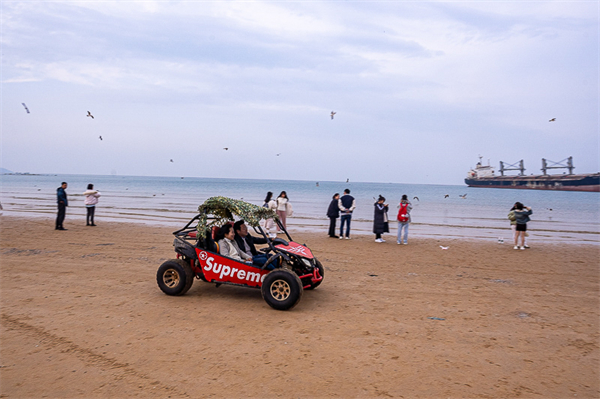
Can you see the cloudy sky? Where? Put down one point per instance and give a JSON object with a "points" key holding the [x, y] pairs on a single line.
{"points": [[420, 89]]}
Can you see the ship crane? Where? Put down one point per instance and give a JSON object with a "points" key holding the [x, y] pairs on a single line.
{"points": [[521, 168], [558, 165]]}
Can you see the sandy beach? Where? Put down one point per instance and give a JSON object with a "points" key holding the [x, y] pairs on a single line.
{"points": [[82, 317]]}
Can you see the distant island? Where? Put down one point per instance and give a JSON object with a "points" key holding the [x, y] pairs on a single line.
{"points": [[10, 172]]}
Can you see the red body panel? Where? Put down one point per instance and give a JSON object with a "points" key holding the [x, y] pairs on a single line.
{"points": [[296, 249], [219, 269]]}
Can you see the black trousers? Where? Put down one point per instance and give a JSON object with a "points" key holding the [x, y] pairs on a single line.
{"points": [[60, 217], [332, 227], [89, 218]]}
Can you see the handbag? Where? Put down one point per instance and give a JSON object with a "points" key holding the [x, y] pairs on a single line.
{"points": [[289, 211]]}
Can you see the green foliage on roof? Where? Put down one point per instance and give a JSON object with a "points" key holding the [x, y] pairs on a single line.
{"points": [[224, 209]]}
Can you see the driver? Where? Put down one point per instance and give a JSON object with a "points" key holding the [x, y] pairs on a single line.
{"points": [[245, 242]]}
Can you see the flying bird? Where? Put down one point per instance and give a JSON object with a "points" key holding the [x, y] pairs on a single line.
{"points": [[279, 154], [226, 148], [464, 196], [417, 198], [552, 120], [170, 160], [347, 180], [446, 196], [332, 113], [100, 137], [90, 115], [444, 247], [26, 109]]}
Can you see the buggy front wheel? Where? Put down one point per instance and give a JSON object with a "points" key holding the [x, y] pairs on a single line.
{"points": [[175, 277], [282, 289]]}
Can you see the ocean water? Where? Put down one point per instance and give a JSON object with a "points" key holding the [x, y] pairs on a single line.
{"points": [[439, 211]]}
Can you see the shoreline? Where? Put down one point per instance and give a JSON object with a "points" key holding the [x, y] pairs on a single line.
{"points": [[320, 226]]}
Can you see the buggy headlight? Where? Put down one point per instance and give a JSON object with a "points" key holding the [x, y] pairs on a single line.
{"points": [[306, 262]]}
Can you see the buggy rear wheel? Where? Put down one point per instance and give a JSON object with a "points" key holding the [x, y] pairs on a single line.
{"points": [[175, 277], [282, 289]]}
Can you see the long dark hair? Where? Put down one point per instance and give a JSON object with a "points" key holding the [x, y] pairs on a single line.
{"points": [[283, 193], [224, 230], [90, 186], [268, 197]]}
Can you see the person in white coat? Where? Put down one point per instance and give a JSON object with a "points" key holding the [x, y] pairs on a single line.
{"points": [[282, 209], [90, 201]]}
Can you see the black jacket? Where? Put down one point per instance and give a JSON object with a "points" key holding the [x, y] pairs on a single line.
{"points": [[250, 241], [380, 223], [334, 209]]}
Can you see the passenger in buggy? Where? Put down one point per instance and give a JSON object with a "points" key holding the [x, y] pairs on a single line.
{"points": [[227, 245]]}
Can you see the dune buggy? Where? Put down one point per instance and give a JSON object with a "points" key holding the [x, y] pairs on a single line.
{"points": [[296, 268]]}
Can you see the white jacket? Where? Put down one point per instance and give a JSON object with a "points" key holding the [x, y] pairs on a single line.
{"points": [[230, 249], [91, 197], [282, 203]]}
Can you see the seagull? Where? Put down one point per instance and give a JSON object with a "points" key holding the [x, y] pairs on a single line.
{"points": [[100, 137], [26, 109], [444, 247], [464, 196], [446, 196], [347, 180], [552, 120], [279, 154], [417, 198], [171, 160], [90, 115], [225, 148], [332, 113]]}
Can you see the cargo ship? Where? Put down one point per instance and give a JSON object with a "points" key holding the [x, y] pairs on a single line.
{"points": [[485, 176]]}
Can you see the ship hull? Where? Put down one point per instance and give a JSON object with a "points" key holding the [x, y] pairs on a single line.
{"points": [[589, 183]]}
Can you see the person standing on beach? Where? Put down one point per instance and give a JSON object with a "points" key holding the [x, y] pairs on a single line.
{"points": [[346, 204], [522, 217], [282, 209], [513, 224], [403, 219], [61, 199], [333, 212], [271, 204], [90, 201], [380, 219]]}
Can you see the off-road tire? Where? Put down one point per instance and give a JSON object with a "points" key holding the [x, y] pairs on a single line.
{"points": [[175, 277], [321, 272], [282, 289]]}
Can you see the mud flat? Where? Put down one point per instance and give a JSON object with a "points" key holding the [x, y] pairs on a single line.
{"points": [[82, 317]]}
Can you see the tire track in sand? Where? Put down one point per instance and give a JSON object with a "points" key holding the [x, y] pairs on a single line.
{"points": [[120, 369]]}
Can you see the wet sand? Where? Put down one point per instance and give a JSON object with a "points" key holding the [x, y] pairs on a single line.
{"points": [[82, 317]]}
